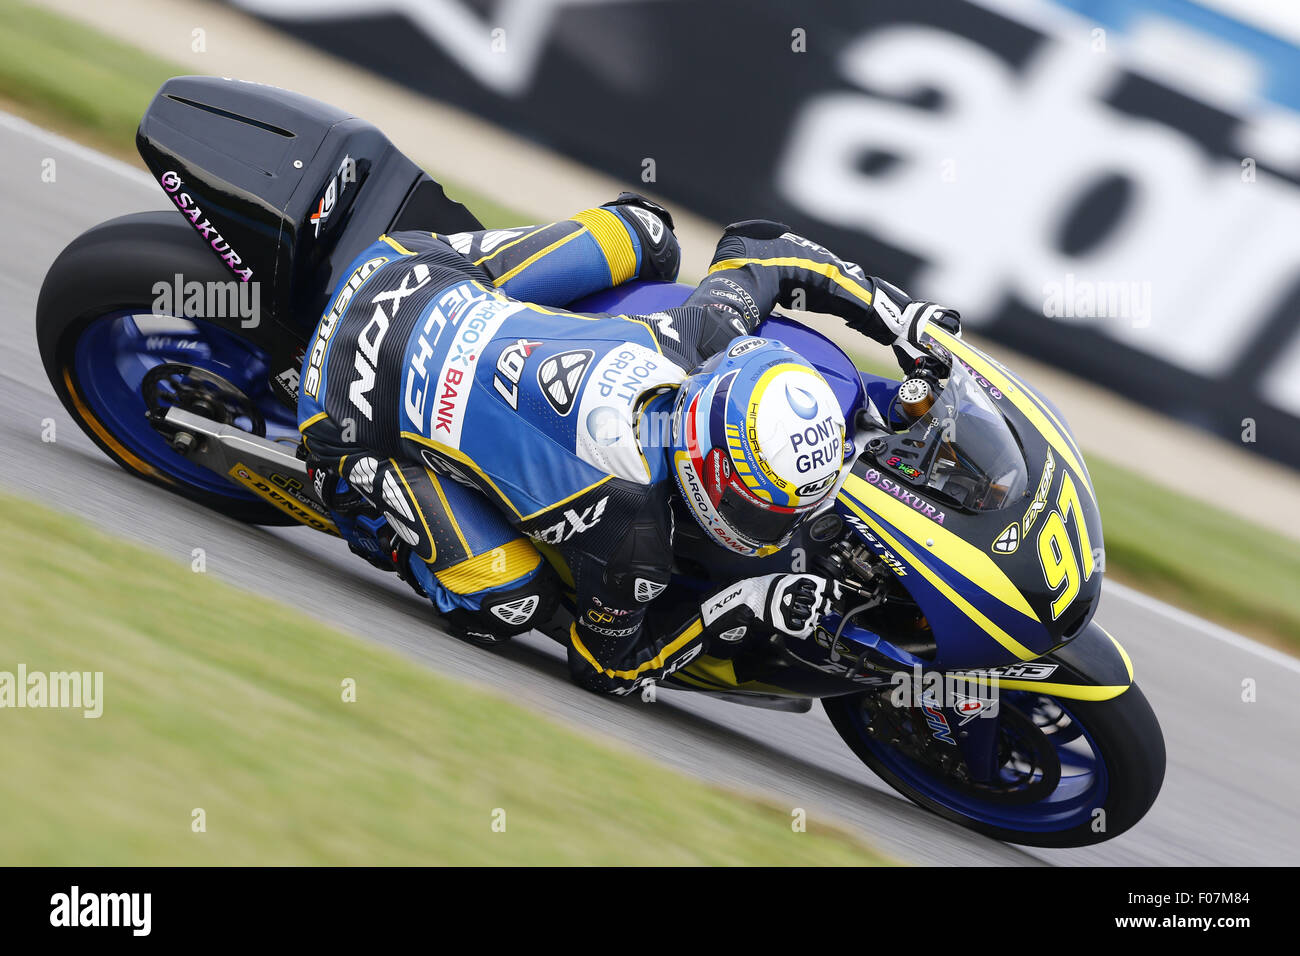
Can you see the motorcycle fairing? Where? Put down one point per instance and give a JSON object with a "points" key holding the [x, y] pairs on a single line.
{"points": [[1058, 522], [978, 615], [1093, 666]]}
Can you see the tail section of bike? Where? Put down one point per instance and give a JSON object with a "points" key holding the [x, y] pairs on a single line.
{"points": [[207, 308], [285, 191]]}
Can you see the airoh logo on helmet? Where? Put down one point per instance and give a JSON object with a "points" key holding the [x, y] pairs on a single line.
{"points": [[745, 345]]}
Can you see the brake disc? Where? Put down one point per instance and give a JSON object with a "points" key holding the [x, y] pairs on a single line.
{"points": [[1028, 766], [201, 392]]}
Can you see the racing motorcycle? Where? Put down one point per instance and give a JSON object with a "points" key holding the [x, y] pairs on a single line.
{"points": [[963, 666]]}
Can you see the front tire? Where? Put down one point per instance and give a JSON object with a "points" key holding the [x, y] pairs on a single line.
{"points": [[1122, 784], [106, 275]]}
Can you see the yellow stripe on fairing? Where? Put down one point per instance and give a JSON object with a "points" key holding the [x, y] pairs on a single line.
{"points": [[1060, 425], [694, 681], [1128, 663], [1042, 407], [1068, 691], [988, 626], [716, 673], [718, 670], [953, 550], [709, 676], [827, 269]]}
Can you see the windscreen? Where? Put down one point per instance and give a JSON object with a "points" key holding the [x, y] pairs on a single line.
{"points": [[962, 449]]}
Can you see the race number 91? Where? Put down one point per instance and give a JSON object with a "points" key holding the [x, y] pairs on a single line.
{"points": [[1056, 550]]}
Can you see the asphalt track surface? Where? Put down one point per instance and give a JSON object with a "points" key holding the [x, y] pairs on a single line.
{"points": [[1233, 777]]}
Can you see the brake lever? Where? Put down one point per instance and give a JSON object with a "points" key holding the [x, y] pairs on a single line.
{"points": [[933, 368]]}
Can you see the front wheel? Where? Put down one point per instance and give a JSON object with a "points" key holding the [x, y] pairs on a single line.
{"points": [[1071, 773], [112, 357]]}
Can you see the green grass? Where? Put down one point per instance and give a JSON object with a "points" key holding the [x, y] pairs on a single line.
{"points": [[76, 76], [95, 88], [217, 699], [1240, 574]]}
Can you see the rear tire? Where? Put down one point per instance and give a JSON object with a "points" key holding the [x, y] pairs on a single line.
{"points": [[1125, 731], [113, 267]]}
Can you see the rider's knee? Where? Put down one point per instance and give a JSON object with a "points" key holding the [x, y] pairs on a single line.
{"points": [[504, 608], [651, 226]]}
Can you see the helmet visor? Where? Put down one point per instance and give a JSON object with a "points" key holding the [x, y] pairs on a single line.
{"points": [[759, 521], [756, 520]]}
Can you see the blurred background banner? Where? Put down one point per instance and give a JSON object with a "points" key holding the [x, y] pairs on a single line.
{"points": [[1112, 186]]}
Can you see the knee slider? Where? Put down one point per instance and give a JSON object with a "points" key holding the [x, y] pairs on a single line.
{"points": [[514, 610], [661, 254]]}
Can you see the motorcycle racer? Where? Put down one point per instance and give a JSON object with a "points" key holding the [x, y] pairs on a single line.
{"points": [[499, 452]]}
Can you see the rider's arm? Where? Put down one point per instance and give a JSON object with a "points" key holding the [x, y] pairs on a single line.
{"points": [[557, 263], [759, 264]]}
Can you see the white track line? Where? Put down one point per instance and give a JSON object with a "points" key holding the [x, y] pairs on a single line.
{"points": [[1208, 628], [1125, 593], [94, 157]]}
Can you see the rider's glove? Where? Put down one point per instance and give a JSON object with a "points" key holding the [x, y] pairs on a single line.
{"points": [[912, 323], [362, 525], [789, 603]]}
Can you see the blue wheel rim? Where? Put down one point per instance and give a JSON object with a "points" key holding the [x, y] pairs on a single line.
{"points": [[1083, 787], [114, 353]]}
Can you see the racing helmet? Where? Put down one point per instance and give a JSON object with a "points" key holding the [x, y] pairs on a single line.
{"points": [[757, 444]]}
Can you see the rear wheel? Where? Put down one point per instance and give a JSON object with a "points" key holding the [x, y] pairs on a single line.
{"points": [[1070, 772], [112, 360]]}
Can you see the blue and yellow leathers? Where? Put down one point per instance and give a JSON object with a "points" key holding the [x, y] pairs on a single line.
{"points": [[508, 450]]}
